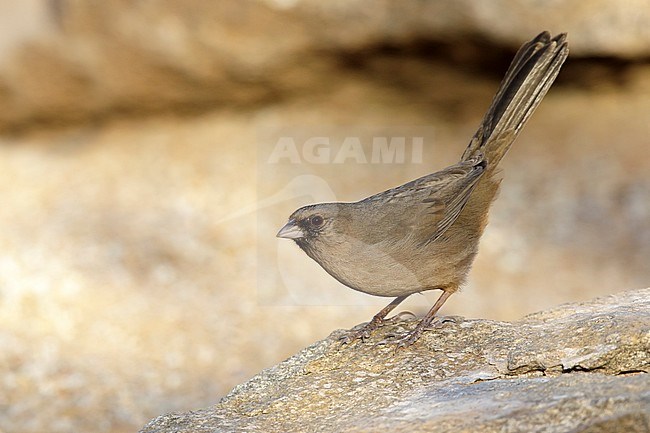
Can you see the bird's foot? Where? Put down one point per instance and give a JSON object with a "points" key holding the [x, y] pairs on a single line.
{"points": [[409, 338], [361, 332], [406, 340]]}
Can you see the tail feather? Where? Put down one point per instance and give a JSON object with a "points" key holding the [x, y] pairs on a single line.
{"points": [[530, 75]]}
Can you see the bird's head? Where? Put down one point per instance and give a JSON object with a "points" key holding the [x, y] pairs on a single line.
{"points": [[314, 223]]}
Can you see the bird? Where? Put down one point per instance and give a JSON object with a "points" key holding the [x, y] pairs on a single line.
{"points": [[424, 235]]}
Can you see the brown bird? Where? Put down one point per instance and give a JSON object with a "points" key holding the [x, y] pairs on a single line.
{"points": [[424, 235]]}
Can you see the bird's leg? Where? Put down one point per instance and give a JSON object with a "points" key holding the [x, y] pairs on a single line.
{"points": [[413, 336], [376, 322]]}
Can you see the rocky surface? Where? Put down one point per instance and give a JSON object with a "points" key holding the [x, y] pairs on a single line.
{"points": [[66, 61], [579, 368], [130, 136]]}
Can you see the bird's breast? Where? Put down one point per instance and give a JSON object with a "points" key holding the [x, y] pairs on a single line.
{"points": [[384, 269]]}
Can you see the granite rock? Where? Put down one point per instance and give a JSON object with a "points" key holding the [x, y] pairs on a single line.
{"points": [[576, 368], [68, 62]]}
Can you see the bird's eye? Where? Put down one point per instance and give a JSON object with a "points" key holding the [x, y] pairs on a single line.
{"points": [[316, 221]]}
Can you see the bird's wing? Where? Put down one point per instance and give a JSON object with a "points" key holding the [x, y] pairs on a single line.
{"points": [[427, 206]]}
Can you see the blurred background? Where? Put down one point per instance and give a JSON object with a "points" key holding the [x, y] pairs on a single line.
{"points": [[132, 238]]}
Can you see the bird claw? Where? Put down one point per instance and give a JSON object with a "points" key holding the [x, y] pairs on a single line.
{"points": [[407, 339], [439, 321], [403, 341], [362, 333], [354, 335]]}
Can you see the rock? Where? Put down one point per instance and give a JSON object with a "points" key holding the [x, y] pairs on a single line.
{"points": [[579, 368], [65, 61]]}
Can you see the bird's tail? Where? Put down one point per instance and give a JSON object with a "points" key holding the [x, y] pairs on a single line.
{"points": [[527, 80]]}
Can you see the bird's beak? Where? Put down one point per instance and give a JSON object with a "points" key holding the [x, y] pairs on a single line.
{"points": [[291, 231]]}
